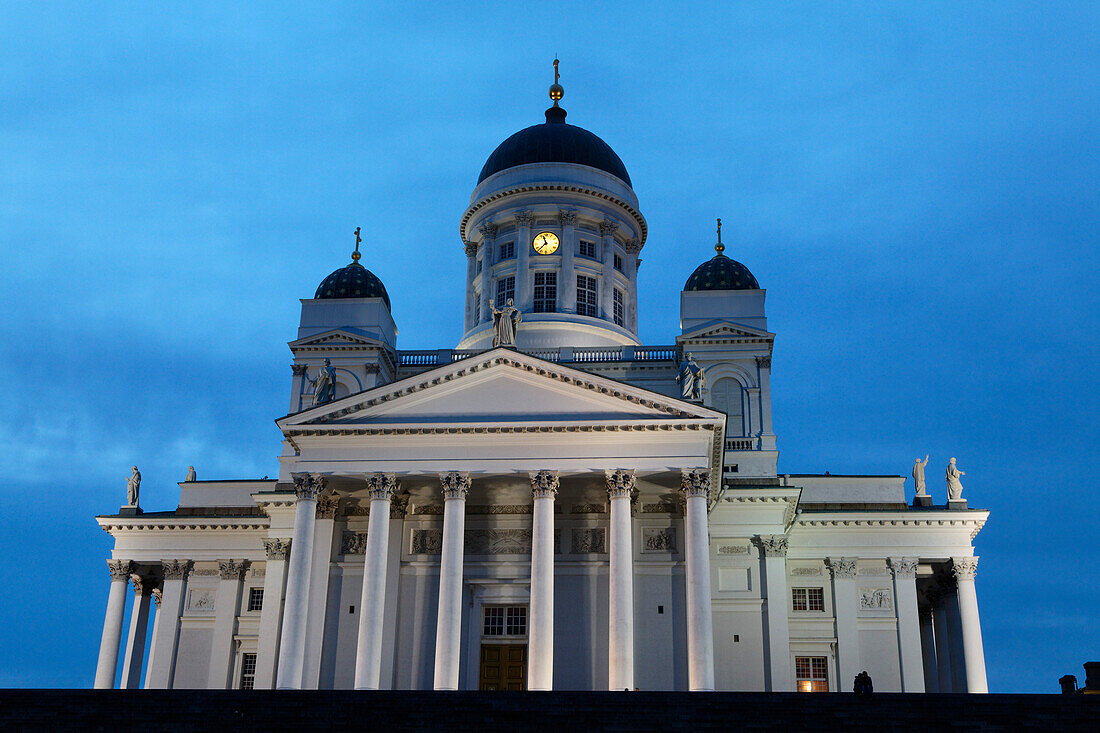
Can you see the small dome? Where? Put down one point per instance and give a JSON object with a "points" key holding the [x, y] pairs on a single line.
{"points": [[353, 281], [721, 273]]}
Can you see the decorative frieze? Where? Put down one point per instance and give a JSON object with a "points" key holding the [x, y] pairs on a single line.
{"points": [[495, 509], [772, 545], [903, 567], [695, 482], [277, 547], [327, 505], [428, 509], [427, 542], [805, 571], [175, 569], [658, 539], [497, 542], [588, 541], [663, 507], [875, 599], [232, 569], [873, 570], [308, 486], [544, 484], [588, 509], [620, 483], [205, 572], [353, 543], [456, 484], [733, 549], [964, 568], [381, 486], [120, 569], [841, 567]]}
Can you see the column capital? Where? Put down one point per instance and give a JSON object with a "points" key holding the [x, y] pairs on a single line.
{"points": [[567, 217], [903, 567], [488, 230], [158, 595], [695, 482], [327, 505], [456, 484], [277, 547], [143, 586], [620, 482], [524, 218], [308, 486], [232, 569], [772, 545], [764, 362], [382, 486], [471, 248], [298, 369], [544, 484], [632, 246], [608, 226], [175, 569], [964, 568], [841, 567], [120, 569]]}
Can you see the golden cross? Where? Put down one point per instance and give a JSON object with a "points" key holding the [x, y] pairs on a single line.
{"points": [[355, 255], [556, 75], [719, 230]]}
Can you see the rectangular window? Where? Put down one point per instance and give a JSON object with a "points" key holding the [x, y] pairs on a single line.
{"points": [[587, 297], [618, 263], [248, 671], [505, 621], [507, 251], [506, 289], [255, 599], [620, 318], [479, 263], [546, 292], [586, 249], [808, 599], [494, 622], [516, 621], [812, 674]]}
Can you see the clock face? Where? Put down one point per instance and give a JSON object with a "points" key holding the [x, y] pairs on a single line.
{"points": [[546, 243]]}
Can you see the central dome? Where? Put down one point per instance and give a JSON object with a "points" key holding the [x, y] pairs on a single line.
{"points": [[554, 141]]}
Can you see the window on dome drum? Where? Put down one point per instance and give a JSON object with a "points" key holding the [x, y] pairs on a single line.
{"points": [[255, 599], [725, 396], [618, 263], [505, 621], [586, 249], [479, 267], [808, 599], [812, 674], [546, 292], [506, 288], [248, 671], [619, 310], [507, 251], [587, 297]]}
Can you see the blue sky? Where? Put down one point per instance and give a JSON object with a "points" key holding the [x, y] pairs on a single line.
{"points": [[915, 184]]}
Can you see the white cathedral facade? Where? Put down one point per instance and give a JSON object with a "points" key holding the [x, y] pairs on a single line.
{"points": [[551, 504]]}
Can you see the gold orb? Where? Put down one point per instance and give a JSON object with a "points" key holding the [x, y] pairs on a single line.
{"points": [[556, 92]]}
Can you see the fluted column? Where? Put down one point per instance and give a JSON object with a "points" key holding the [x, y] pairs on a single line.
{"points": [[696, 487], [448, 629], [525, 291], [845, 606], [368, 653], [540, 634], [964, 569], [904, 570], [112, 624], [942, 640], [471, 274], [292, 646], [620, 487], [567, 287], [488, 246], [135, 640], [607, 252], [162, 656], [774, 550], [267, 644], [227, 605]]}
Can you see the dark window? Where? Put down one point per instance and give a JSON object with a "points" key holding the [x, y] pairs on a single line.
{"points": [[507, 251], [506, 289], [546, 292], [505, 621], [479, 263], [586, 249], [248, 671], [808, 599], [255, 599], [618, 263], [812, 674], [619, 310], [587, 297]]}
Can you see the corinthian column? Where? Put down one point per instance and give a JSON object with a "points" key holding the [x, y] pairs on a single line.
{"points": [[774, 550], [162, 657], [448, 629], [607, 251], [368, 652], [112, 624], [135, 640], [525, 291], [964, 569], [540, 636], [567, 288], [696, 487], [845, 600], [271, 612], [620, 667], [227, 604], [488, 245], [909, 639], [292, 647]]}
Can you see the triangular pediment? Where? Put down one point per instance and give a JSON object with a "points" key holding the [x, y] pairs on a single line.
{"points": [[500, 387], [720, 329], [335, 338]]}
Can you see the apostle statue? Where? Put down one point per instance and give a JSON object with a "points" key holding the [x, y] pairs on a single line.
{"points": [[954, 486], [324, 386], [918, 475], [505, 324], [692, 379], [133, 485], [190, 474]]}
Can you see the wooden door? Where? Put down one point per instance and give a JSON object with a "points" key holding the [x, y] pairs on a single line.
{"points": [[503, 667]]}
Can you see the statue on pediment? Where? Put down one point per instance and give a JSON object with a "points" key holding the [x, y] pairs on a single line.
{"points": [[506, 322], [133, 486], [918, 476], [692, 379], [954, 485], [190, 474], [324, 386]]}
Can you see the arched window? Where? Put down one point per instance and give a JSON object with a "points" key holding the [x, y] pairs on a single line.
{"points": [[725, 395]]}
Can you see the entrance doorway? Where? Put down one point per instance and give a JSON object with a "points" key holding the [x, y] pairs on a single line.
{"points": [[503, 667]]}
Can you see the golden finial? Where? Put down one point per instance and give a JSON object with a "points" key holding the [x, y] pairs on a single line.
{"points": [[719, 248], [355, 255], [556, 91]]}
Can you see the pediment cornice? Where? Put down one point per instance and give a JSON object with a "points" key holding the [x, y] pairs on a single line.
{"points": [[336, 340], [726, 332]]}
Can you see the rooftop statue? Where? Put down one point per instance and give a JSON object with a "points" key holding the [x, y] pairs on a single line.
{"points": [[918, 476], [506, 322], [133, 486], [190, 474], [692, 379], [954, 486]]}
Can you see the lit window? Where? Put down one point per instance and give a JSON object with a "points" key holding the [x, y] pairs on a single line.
{"points": [[586, 249], [255, 599], [506, 289], [505, 621], [618, 263], [808, 599], [546, 292], [619, 310], [812, 674], [507, 251], [248, 671], [587, 297]]}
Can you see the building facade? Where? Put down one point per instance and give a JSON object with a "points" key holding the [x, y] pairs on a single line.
{"points": [[551, 504]]}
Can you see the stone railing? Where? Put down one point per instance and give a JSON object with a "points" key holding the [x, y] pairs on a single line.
{"points": [[579, 355], [741, 443]]}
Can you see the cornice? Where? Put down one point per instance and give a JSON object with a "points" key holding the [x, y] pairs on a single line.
{"points": [[975, 524], [734, 495], [110, 525]]}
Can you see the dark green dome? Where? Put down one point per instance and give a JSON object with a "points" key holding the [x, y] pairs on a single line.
{"points": [[721, 273], [353, 281]]}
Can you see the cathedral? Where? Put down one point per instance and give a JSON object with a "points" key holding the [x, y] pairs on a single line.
{"points": [[548, 505]]}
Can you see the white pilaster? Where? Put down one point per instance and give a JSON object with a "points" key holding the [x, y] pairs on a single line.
{"points": [[227, 605], [372, 606], [448, 630], [567, 280], [607, 253], [267, 644], [964, 569], [471, 274], [909, 640], [620, 487], [696, 487], [162, 655], [764, 369], [540, 635], [319, 580], [488, 249], [135, 640], [630, 269], [293, 642], [112, 624], [525, 291], [846, 608], [774, 550], [928, 647]]}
